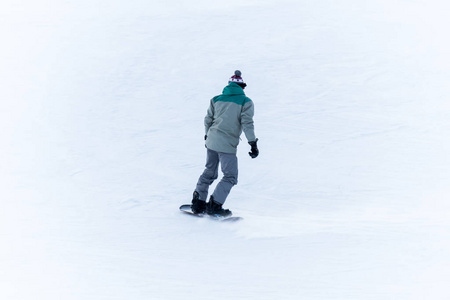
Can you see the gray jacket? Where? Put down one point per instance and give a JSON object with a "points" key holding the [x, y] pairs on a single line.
{"points": [[228, 115]]}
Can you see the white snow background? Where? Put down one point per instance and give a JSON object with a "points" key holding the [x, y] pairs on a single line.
{"points": [[102, 106]]}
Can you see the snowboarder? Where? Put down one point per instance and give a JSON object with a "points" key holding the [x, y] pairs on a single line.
{"points": [[228, 115]]}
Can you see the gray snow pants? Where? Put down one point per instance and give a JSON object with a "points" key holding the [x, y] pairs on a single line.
{"points": [[229, 166]]}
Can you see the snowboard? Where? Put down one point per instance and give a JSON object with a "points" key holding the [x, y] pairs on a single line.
{"points": [[186, 208]]}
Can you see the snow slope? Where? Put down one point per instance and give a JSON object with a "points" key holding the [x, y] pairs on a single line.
{"points": [[102, 139]]}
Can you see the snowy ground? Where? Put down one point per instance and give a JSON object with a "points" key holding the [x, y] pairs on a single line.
{"points": [[101, 110]]}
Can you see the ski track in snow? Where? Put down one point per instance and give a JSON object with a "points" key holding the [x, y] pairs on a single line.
{"points": [[102, 140]]}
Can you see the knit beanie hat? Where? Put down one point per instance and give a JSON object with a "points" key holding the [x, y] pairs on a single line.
{"points": [[236, 78]]}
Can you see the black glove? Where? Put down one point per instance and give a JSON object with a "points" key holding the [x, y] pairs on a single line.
{"points": [[254, 151]]}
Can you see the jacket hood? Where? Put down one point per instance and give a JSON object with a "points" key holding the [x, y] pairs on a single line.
{"points": [[232, 89]]}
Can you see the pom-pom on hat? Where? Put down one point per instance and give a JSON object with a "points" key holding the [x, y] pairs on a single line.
{"points": [[236, 78]]}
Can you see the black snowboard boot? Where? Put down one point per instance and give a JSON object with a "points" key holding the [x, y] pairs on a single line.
{"points": [[214, 208], [198, 206]]}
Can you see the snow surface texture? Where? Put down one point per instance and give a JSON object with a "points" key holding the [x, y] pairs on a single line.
{"points": [[102, 106]]}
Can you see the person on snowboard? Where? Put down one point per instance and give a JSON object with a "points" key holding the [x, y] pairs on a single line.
{"points": [[228, 115]]}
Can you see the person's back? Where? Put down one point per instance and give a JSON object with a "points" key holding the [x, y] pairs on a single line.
{"points": [[228, 115]]}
